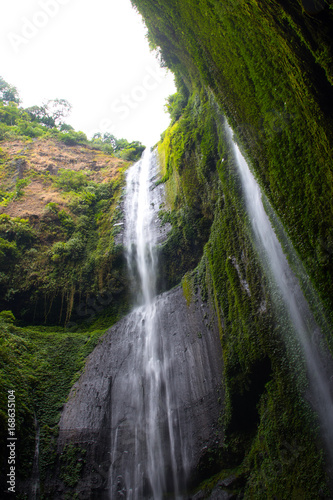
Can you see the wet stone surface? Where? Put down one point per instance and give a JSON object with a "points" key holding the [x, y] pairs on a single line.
{"points": [[97, 417]]}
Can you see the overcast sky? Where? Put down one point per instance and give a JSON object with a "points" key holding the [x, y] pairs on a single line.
{"points": [[95, 55]]}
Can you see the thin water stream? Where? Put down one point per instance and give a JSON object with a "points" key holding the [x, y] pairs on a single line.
{"points": [[317, 357]]}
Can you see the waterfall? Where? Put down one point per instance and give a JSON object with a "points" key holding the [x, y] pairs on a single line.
{"points": [[317, 358], [150, 465]]}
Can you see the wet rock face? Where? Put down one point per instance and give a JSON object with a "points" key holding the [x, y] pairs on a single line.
{"points": [[100, 412]]}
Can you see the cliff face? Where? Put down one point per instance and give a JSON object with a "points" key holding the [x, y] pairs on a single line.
{"points": [[268, 65], [98, 420], [58, 227]]}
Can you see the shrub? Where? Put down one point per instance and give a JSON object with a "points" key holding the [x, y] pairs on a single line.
{"points": [[70, 180], [8, 251]]}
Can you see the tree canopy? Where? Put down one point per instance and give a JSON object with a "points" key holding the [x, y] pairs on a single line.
{"points": [[48, 120], [8, 93]]}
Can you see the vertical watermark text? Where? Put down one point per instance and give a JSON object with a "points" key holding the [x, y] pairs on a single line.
{"points": [[11, 441]]}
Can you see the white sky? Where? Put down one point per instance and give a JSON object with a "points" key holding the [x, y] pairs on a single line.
{"points": [[95, 55]]}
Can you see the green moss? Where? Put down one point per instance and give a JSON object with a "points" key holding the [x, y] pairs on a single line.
{"points": [[261, 362], [40, 364], [188, 288], [72, 462], [269, 66]]}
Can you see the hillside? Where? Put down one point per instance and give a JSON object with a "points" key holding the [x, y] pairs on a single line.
{"points": [[51, 195], [59, 206], [38, 162]]}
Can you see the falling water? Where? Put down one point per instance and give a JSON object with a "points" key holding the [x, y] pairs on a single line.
{"points": [[316, 355], [150, 465]]}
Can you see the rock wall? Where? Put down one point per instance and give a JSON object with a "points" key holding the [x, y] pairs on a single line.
{"points": [[97, 406]]}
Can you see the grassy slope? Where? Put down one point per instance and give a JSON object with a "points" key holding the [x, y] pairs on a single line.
{"points": [[59, 209]]}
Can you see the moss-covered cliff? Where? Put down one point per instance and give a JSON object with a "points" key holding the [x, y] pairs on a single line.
{"points": [[266, 67], [270, 435], [269, 66]]}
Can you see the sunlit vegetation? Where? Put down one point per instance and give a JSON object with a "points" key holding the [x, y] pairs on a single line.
{"points": [[48, 121], [53, 262]]}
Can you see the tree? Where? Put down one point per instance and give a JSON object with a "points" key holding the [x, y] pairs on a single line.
{"points": [[9, 113], [8, 93], [37, 113], [58, 109], [110, 139], [66, 128], [51, 112]]}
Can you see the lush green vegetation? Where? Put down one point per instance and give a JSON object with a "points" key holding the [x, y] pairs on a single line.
{"points": [[47, 121], [63, 265], [40, 364], [273, 449], [269, 67], [55, 267]]}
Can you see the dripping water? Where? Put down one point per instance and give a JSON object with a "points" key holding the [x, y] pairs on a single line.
{"points": [[317, 357]]}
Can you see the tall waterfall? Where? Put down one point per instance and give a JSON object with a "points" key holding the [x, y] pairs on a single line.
{"points": [[147, 407], [317, 358], [150, 469]]}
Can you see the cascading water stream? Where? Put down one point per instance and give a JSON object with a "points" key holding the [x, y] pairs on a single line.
{"points": [[150, 465], [316, 355]]}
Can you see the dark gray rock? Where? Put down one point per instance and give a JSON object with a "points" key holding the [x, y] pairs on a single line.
{"points": [[200, 495], [99, 412], [218, 494]]}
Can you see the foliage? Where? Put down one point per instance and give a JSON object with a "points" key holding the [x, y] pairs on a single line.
{"points": [[51, 112], [39, 364], [61, 267], [53, 265], [47, 121], [264, 377], [8, 93], [71, 465], [269, 67], [70, 180], [64, 254]]}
